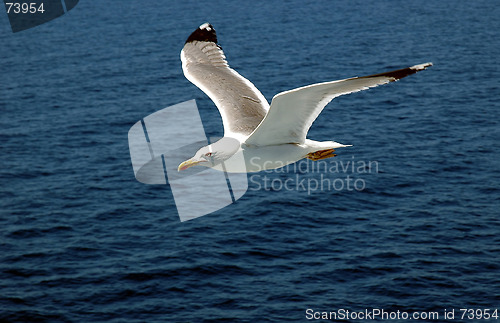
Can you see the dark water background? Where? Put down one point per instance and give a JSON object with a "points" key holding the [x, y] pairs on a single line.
{"points": [[82, 240]]}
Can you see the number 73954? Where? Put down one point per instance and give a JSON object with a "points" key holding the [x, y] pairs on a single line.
{"points": [[24, 7], [478, 314]]}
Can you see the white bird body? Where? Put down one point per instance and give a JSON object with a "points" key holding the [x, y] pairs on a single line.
{"points": [[258, 136], [259, 158]]}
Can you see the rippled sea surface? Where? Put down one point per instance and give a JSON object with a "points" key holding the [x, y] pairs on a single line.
{"points": [[82, 241]]}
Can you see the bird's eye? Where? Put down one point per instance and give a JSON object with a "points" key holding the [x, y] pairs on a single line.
{"points": [[208, 155]]}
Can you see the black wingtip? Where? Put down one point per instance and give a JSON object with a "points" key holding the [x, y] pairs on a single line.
{"points": [[399, 74], [205, 32]]}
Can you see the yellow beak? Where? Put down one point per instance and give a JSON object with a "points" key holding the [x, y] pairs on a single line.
{"points": [[186, 164]]}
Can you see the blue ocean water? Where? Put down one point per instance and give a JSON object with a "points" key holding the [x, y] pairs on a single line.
{"points": [[82, 241]]}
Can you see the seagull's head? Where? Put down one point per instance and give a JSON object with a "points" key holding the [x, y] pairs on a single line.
{"points": [[203, 157], [212, 155]]}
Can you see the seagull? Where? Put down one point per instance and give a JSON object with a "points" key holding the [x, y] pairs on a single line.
{"points": [[264, 137]]}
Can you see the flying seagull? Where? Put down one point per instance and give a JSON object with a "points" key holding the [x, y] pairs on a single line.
{"points": [[267, 137]]}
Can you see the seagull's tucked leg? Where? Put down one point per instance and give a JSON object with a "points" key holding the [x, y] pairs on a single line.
{"points": [[321, 154]]}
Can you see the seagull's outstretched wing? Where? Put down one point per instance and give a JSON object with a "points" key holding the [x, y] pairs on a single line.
{"points": [[240, 103], [293, 112]]}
